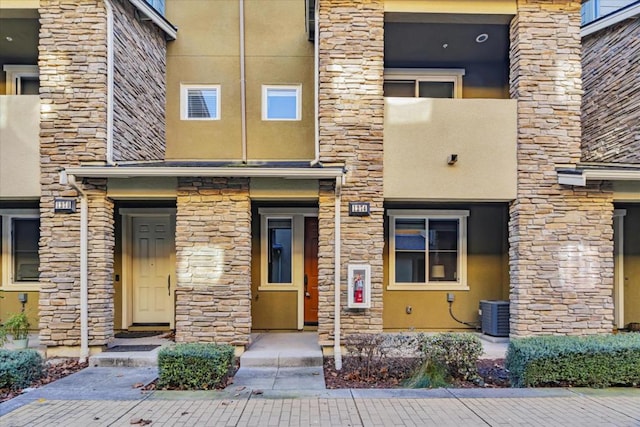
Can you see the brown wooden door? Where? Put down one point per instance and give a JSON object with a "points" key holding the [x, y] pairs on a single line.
{"points": [[311, 271]]}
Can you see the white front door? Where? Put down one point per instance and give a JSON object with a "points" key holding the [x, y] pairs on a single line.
{"points": [[152, 270]]}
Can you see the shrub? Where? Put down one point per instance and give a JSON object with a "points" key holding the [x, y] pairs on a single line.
{"points": [[428, 375], [195, 366], [19, 368], [591, 361], [457, 353], [381, 355]]}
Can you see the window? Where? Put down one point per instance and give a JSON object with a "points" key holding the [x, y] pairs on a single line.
{"points": [[281, 102], [200, 102], [423, 83], [22, 79], [427, 249], [158, 5], [20, 245], [279, 250]]}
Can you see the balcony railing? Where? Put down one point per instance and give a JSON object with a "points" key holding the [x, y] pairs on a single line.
{"points": [[422, 134], [19, 146]]}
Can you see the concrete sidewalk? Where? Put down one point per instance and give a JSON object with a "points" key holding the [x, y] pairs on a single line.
{"points": [[111, 397]]}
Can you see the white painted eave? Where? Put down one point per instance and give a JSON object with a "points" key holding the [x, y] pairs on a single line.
{"points": [[628, 12], [580, 177], [147, 10], [221, 172]]}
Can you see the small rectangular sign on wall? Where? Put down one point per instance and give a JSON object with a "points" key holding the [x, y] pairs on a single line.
{"points": [[359, 209], [64, 205]]}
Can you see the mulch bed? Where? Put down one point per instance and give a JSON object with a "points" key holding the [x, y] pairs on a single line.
{"points": [[54, 370], [492, 372]]}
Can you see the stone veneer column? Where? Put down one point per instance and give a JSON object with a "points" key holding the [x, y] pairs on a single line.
{"points": [[73, 92], [561, 249], [351, 38], [213, 258]]}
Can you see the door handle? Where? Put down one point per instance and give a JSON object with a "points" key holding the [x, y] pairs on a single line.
{"points": [[169, 285], [306, 286]]}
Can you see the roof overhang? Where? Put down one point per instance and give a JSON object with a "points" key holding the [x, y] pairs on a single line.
{"points": [[580, 176], [147, 10], [630, 11], [199, 171]]}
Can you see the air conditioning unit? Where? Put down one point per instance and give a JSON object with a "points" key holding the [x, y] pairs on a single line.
{"points": [[495, 318]]}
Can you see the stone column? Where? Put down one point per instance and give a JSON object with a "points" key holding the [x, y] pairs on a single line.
{"points": [[561, 248], [351, 38], [213, 259], [73, 92]]}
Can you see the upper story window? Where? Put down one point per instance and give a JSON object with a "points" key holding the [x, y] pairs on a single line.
{"points": [[428, 249], [200, 102], [423, 83], [158, 5], [281, 102], [20, 245], [22, 79]]}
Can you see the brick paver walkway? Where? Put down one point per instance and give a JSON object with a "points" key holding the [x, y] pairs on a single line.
{"points": [[613, 407]]}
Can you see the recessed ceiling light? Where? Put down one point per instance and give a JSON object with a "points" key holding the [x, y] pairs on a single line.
{"points": [[482, 38], [444, 46], [9, 38]]}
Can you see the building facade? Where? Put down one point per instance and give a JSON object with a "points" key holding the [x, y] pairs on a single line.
{"points": [[345, 166]]}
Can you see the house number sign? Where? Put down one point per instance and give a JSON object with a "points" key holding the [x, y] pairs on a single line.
{"points": [[64, 205], [359, 209]]}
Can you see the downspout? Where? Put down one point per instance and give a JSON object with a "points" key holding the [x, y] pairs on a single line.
{"points": [[337, 355], [316, 82], [243, 87], [84, 269], [110, 85]]}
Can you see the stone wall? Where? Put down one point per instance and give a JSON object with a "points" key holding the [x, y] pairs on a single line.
{"points": [[140, 52], [351, 39], [73, 92], [561, 249], [213, 261], [610, 111]]}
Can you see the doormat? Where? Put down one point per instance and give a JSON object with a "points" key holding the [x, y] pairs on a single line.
{"points": [[139, 334], [123, 348]]}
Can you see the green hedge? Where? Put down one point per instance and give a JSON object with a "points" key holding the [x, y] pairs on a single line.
{"points": [[589, 361], [196, 366], [457, 353], [19, 368]]}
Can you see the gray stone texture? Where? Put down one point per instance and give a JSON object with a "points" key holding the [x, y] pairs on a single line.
{"points": [[610, 106], [213, 261], [561, 249], [140, 52], [351, 123]]}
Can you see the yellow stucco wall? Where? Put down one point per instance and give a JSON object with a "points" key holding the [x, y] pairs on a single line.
{"points": [[9, 304], [276, 52], [487, 277], [498, 7], [632, 265]]}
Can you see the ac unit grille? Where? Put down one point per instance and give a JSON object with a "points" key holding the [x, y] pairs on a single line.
{"points": [[495, 318]]}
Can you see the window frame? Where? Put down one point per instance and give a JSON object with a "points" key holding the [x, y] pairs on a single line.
{"points": [[430, 214], [184, 101], [7, 216], [418, 75], [14, 75], [265, 103]]}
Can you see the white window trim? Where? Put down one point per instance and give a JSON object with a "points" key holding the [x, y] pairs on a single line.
{"points": [[7, 260], [297, 88], [461, 284], [14, 75], [184, 104], [453, 75]]}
